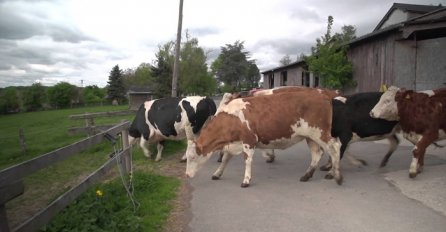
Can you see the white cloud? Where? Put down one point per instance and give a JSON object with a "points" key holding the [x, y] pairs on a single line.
{"points": [[81, 40]]}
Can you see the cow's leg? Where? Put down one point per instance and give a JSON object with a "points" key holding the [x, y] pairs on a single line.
{"points": [[248, 153], [393, 142], [355, 161], [159, 148], [316, 154], [269, 155], [345, 139], [144, 144], [226, 157], [418, 154], [333, 149], [220, 156]]}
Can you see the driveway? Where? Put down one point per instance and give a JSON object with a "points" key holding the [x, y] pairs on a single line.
{"points": [[370, 199]]}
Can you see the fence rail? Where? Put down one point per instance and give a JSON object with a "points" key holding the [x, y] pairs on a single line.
{"points": [[90, 127], [11, 179]]}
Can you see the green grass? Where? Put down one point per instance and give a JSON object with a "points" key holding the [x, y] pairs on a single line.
{"points": [[113, 210], [46, 131]]}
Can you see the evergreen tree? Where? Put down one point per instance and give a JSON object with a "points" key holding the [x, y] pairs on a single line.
{"points": [[162, 70], [115, 88]]}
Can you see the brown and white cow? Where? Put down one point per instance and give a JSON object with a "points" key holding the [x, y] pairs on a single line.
{"points": [[275, 121], [422, 117]]}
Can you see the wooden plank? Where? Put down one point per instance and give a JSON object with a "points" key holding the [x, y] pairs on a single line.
{"points": [[101, 114], [11, 191], [76, 130], [45, 215], [19, 171]]}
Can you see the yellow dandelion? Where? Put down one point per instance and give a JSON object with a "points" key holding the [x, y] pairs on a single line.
{"points": [[99, 193]]}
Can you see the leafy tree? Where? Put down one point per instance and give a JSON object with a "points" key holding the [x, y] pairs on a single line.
{"points": [[329, 58], [140, 76], [115, 88], [286, 60], [162, 70], [62, 95], [93, 94], [195, 78], [9, 101], [34, 97], [233, 68]]}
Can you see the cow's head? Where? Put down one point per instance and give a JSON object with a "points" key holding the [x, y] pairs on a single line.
{"points": [[387, 108], [195, 160]]}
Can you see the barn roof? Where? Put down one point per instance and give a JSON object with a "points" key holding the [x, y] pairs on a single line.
{"points": [[430, 18], [283, 67], [140, 90], [413, 8]]}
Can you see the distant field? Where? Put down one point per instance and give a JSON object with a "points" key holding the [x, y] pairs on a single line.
{"points": [[46, 131]]}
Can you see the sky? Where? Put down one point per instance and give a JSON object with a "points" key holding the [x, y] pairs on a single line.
{"points": [[79, 41]]}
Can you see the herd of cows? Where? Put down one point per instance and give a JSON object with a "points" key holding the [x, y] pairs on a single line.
{"points": [[281, 117]]}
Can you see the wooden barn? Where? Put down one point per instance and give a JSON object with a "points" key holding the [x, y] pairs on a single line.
{"points": [[293, 74], [406, 49], [138, 95]]}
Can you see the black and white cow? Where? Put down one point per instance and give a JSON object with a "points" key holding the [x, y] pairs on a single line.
{"points": [[352, 123], [168, 119]]}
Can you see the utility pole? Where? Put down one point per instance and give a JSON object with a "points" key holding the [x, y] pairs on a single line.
{"points": [[176, 64]]}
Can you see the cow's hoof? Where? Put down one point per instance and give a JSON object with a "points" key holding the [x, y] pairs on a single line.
{"points": [[412, 175], [329, 176], [339, 180], [183, 161], [244, 185], [325, 168], [383, 164], [157, 160], [304, 178], [215, 177]]}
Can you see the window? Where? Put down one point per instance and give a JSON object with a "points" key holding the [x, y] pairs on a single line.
{"points": [[284, 78]]}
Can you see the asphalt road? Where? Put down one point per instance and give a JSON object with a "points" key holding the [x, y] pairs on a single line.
{"points": [[370, 199]]}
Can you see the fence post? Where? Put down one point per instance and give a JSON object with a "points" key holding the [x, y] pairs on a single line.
{"points": [[22, 140], [127, 159], [89, 124]]}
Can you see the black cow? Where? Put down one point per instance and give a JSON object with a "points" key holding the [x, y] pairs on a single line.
{"points": [[352, 123], [169, 119]]}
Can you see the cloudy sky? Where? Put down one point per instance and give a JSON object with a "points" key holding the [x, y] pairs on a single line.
{"points": [[79, 41]]}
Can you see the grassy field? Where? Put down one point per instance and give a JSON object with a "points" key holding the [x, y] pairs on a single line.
{"points": [[46, 131]]}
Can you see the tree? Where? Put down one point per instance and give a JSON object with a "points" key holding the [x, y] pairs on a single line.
{"points": [[9, 101], [115, 88], [34, 97], [329, 58], [232, 67], [140, 76], [162, 70], [195, 78], [92, 94], [286, 60], [61, 95]]}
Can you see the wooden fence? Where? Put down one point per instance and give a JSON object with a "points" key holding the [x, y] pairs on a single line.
{"points": [[90, 127], [11, 179]]}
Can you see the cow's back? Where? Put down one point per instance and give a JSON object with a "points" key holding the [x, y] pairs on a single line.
{"points": [[267, 118], [162, 115], [354, 116], [421, 111]]}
